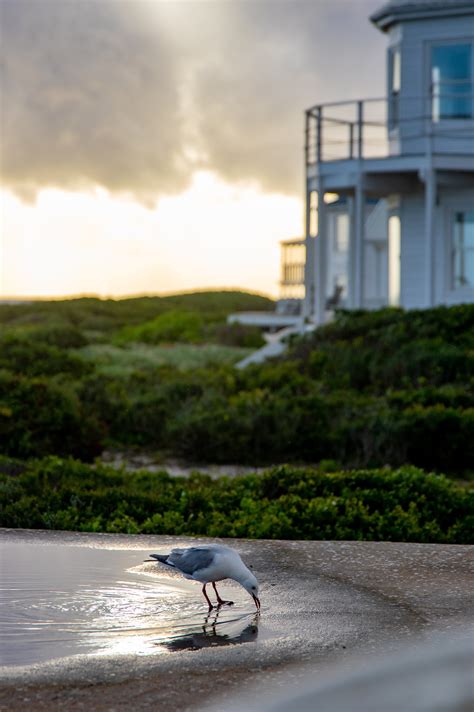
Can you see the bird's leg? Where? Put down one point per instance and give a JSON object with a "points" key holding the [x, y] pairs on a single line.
{"points": [[219, 599], [207, 597]]}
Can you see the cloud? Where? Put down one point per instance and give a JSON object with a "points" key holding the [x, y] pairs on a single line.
{"points": [[135, 95], [90, 98]]}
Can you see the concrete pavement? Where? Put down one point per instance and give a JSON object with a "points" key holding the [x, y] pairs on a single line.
{"points": [[322, 603]]}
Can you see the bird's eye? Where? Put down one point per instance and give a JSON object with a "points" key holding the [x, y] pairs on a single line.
{"points": [[253, 588]]}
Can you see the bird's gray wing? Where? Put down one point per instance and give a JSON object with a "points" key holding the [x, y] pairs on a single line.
{"points": [[189, 561]]}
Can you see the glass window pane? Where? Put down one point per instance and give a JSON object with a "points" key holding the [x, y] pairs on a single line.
{"points": [[313, 213], [396, 71], [463, 249], [342, 233], [395, 78], [394, 260], [451, 73]]}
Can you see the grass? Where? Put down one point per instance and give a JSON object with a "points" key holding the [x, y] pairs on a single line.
{"points": [[123, 361]]}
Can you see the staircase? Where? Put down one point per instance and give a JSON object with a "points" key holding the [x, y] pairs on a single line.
{"points": [[276, 344]]}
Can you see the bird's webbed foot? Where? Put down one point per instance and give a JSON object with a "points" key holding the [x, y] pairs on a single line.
{"points": [[220, 600]]}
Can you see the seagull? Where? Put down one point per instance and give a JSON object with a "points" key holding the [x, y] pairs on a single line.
{"points": [[210, 563]]}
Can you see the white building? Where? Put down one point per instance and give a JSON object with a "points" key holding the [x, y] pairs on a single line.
{"points": [[390, 182]]}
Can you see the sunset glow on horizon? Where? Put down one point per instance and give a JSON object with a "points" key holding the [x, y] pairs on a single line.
{"points": [[213, 235]]}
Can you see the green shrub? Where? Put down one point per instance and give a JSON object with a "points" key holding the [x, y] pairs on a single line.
{"points": [[39, 417], [283, 503], [139, 359], [106, 316], [170, 327], [63, 336], [390, 348], [28, 355], [371, 389], [249, 337]]}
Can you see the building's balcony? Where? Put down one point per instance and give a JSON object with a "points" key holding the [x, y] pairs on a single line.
{"points": [[293, 259], [394, 127]]}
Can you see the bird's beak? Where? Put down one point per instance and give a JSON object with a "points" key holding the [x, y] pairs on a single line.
{"points": [[257, 601]]}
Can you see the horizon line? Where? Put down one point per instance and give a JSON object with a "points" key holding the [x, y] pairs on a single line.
{"points": [[12, 298]]}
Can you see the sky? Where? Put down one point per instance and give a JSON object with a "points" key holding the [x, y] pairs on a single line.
{"points": [[156, 146]]}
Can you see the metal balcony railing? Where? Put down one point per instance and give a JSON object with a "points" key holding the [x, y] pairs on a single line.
{"points": [[293, 258], [292, 274], [377, 128]]}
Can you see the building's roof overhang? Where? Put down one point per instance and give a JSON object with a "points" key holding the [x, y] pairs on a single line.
{"points": [[397, 11]]}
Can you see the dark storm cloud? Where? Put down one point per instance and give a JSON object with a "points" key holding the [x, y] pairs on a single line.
{"points": [[90, 97], [270, 60], [135, 94]]}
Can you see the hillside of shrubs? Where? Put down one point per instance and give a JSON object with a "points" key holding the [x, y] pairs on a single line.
{"points": [[372, 391]]}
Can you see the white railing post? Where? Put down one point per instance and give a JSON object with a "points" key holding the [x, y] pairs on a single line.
{"points": [[358, 247], [319, 130], [360, 122], [321, 256], [351, 140], [306, 138]]}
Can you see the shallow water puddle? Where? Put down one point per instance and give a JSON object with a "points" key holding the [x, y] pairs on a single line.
{"points": [[61, 600]]}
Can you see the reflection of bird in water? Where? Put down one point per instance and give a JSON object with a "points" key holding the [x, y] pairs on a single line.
{"points": [[210, 563], [213, 635]]}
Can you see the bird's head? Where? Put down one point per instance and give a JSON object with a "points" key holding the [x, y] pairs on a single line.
{"points": [[250, 584]]}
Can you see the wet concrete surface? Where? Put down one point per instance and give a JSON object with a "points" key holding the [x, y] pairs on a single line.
{"points": [[322, 603]]}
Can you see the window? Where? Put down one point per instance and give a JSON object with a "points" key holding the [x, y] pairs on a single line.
{"points": [[463, 250], [451, 81], [341, 237], [394, 82], [394, 260], [313, 213]]}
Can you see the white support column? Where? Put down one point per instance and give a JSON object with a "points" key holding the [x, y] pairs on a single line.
{"points": [[309, 268], [350, 256], [309, 279], [308, 304], [357, 246], [321, 257], [430, 201]]}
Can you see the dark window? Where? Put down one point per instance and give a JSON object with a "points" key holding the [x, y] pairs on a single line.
{"points": [[451, 77], [463, 249], [395, 80]]}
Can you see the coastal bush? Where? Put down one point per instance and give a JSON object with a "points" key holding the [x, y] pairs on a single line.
{"points": [[110, 315], [391, 348], [39, 416], [139, 359], [282, 503], [32, 356], [181, 327], [63, 336], [170, 327], [249, 337], [370, 389]]}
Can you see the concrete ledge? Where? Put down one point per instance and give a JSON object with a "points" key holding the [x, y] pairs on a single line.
{"points": [[323, 604]]}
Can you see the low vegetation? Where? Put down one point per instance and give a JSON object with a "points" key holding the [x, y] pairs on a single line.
{"points": [[376, 393], [123, 362], [369, 390], [282, 503]]}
